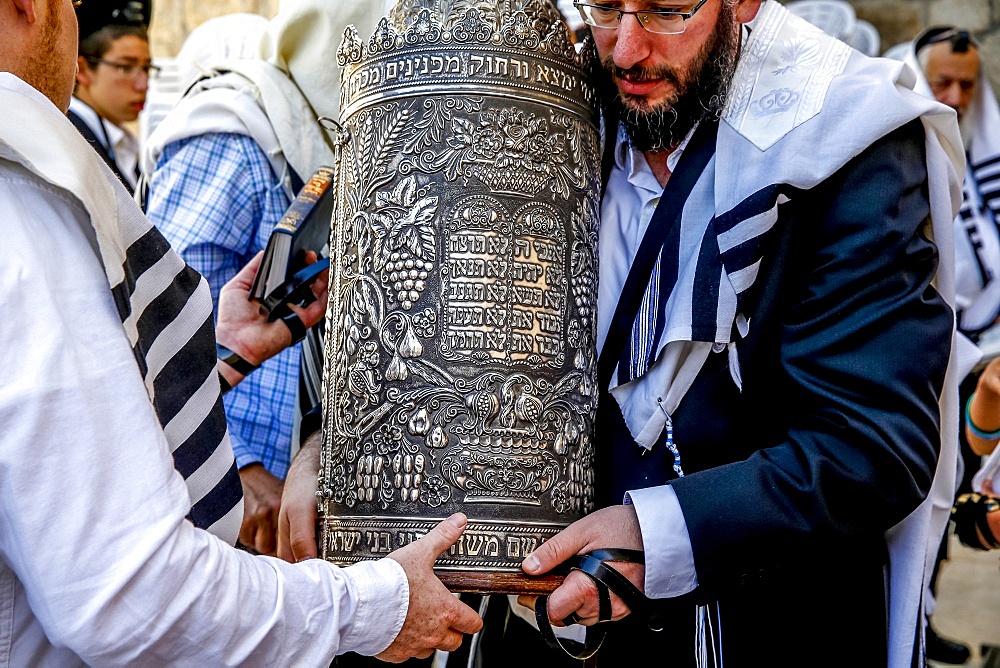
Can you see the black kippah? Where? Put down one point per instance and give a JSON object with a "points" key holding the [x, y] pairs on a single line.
{"points": [[92, 15], [960, 39]]}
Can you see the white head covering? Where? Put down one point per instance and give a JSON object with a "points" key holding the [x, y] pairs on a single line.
{"points": [[278, 96], [228, 37], [302, 42], [984, 139]]}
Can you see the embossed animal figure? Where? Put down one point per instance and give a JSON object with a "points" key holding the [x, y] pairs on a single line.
{"points": [[361, 382], [518, 404]]}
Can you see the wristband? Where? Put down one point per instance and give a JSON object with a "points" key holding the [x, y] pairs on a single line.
{"points": [[985, 435], [232, 359], [224, 384]]}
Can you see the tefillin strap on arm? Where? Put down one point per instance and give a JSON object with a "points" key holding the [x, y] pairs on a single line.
{"points": [[608, 580]]}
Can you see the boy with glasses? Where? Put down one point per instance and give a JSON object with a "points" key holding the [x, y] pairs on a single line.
{"points": [[113, 72]]}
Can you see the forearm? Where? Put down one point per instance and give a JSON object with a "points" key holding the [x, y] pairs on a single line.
{"points": [[119, 575], [983, 411]]}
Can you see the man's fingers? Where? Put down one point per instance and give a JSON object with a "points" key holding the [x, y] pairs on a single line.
{"points": [[304, 546], [247, 532], [297, 516], [440, 538], [452, 641], [244, 277], [297, 537], [311, 314], [285, 552], [551, 553], [266, 542], [467, 619]]}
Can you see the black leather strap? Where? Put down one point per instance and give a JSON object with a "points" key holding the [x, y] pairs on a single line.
{"points": [[984, 528], [969, 514], [608, 580], [232, 359], [224, 384], [611, 579], [619, 554], [580, 651], [295, 326], [296, 290]]}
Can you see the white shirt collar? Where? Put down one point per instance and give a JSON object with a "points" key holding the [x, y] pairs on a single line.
{"points": [[632, 160]]}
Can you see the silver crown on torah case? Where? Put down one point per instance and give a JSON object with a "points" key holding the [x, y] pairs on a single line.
{"points": [[460, 352]]}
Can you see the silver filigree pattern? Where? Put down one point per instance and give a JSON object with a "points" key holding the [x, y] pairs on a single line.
{"points": [[460, 350]]}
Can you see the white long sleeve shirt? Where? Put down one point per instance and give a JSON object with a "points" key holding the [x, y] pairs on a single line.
{"points": [[98, 564]]}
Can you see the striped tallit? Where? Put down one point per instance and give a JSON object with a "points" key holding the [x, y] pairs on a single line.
{"points": [[986, 174], [165, 306]]}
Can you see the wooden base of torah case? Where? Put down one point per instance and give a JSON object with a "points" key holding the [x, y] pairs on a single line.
{"points": [[460, 339]]}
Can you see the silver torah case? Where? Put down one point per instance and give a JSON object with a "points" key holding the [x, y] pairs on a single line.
{"points": [[460, 338]]}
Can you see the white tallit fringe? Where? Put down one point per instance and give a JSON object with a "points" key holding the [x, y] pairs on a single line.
{"points": [[708, 637]]}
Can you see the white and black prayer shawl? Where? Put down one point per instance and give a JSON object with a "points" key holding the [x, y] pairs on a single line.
{"points": [[790, 72], [979, 305], [165, 306]]}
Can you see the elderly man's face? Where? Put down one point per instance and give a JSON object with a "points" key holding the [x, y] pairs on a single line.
{"points": [[952, 76], [665, 83]]}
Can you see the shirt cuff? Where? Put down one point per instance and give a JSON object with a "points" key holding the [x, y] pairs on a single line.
{"points": [[670, 567], [245, 456], [244, 459], [374, 604]]}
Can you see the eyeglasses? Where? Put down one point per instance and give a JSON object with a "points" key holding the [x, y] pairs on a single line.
{"points": [[659, 21], [128, 70]]}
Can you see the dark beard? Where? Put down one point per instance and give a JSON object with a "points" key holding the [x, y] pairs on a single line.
{"points": [[699, 96]]}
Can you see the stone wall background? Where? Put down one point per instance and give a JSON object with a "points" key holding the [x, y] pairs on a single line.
{"points": [[896, 20]]}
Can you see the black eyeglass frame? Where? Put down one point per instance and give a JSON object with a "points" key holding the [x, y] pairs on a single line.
{"points": [[684, 16], [127, 69]]}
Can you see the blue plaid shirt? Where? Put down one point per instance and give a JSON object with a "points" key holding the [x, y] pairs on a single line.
{"points": [[216, 199]]}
